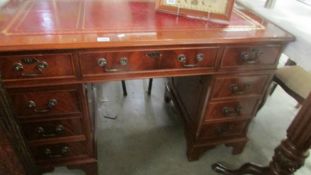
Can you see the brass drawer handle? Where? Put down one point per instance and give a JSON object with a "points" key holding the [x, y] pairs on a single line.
{"points": [[51, 104], [40, 67], [239, 89], [59, 129], [102, 62], [221, 130], [251, 56], [182, 59], [227, 111], [61, 153]]}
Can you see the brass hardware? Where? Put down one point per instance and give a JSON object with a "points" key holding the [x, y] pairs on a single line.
{"points": [[59, 129], [102, 62], [123, 61], [154, 54], [40, 66], [239, 90], [48, 152], [200, 57], [232, 110], [51, 104], [18, 67], [251, 56], [64, 150], [221, 130], [29, 60], [182, 58]]}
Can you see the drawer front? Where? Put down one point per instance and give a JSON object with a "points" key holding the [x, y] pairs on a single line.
{"points": [[52, 129], [96, 63], [189, 58], [223, 130], [61, 151], [251, 57], [234, 86], [231, 109], [42, 102], [37, 66]]}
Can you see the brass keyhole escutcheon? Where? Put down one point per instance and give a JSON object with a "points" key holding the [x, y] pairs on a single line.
{"points": [[123, 61]]}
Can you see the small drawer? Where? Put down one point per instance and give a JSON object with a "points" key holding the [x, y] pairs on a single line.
{"points": [[189, 58], [37, 66], [42, 102], [234, 86], [60, 151], [223, 130], [98, 63], [52, 129], [231, 109], [240, 57]]}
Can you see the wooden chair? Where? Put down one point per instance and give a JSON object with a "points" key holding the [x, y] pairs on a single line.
{"points": [[125, 90], [295, 81]]}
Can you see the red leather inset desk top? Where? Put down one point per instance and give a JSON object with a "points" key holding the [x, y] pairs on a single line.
{"points": [[80, 23]]}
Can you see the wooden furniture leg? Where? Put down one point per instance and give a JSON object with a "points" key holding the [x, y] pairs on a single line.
{"points": [[124, 88], [289, 156], [150, 86]]}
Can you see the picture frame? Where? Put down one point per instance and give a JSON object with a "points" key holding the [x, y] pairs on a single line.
{"points": [[218, 11]]}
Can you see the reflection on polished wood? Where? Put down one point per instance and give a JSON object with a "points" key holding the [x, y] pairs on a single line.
{"points": [[49, 51], [289, 156]]}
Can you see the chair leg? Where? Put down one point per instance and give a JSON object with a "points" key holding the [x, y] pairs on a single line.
{"points": [[150, 86], [124, 88], [274, 85]]}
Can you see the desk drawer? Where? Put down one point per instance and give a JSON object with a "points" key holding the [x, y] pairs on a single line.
{"points": [[235, 86], [60, 151], [37, 66], [96, 63], [52, 129], [44, 102], [223, 130], [251, 57], [231, 109]]}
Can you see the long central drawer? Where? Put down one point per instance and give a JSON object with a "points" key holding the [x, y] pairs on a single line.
{"points": [[96, 63]]}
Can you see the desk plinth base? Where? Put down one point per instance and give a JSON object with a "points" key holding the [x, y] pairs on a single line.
{"points": [[197, 147]]}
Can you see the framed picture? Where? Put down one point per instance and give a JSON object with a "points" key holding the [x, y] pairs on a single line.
{"points": [[213, 10]]}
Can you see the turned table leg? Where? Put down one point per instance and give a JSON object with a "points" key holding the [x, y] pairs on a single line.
{"points": [[289, 156]]}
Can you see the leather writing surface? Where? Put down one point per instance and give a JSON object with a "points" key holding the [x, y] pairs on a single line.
{"points": [[76, 16], [62, 24]]}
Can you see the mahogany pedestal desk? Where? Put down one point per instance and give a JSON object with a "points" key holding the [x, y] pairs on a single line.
{"points": [[50, 49]]}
